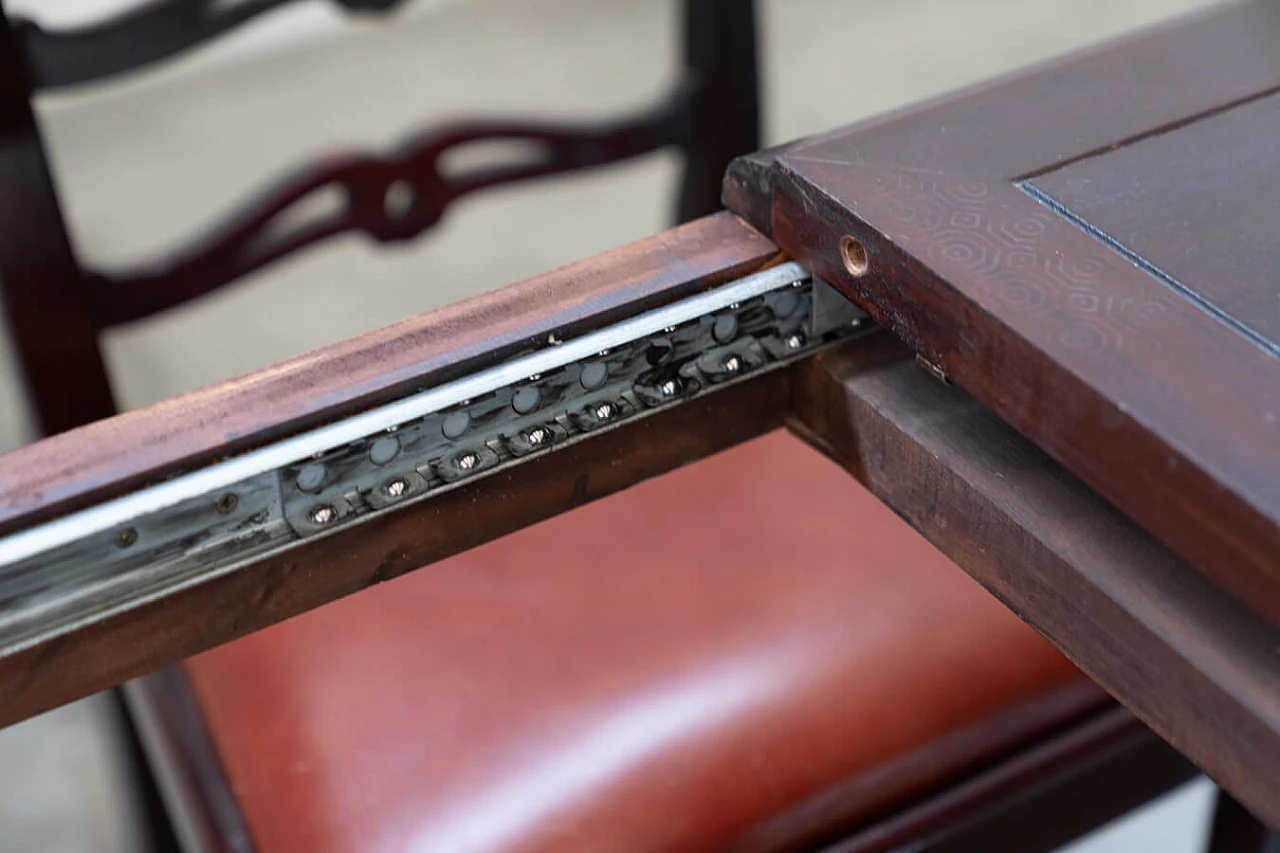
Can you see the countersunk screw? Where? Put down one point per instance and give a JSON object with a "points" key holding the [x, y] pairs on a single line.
{"points": [[395, 488], [537, 436], [795, 341], [731, 364], [228, 502], [604, 411], [127, 537], [323, 514], [467, 461]]}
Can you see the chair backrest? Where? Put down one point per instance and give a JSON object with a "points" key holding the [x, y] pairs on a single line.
{"points": [[57, 309]]}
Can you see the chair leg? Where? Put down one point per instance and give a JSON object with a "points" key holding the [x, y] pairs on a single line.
{"points": [[157, 828], [1038, 799], [42, 285], [1235, 830], [724, 118]]}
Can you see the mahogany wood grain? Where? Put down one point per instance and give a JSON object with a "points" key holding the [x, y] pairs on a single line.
{"points": [[64, 472], [1184, 656], [1215, 188], [1137, 381]]}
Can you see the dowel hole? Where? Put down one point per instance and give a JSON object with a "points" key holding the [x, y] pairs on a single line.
{"points": [[854, 255]]}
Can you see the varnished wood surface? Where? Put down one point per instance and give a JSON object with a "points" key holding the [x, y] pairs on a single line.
{"points": [[1180, 653], [64, 472], [1113, 369], [1198, 205]]}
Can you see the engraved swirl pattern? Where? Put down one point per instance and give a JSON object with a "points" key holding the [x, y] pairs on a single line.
{"points": [[1013, 250]]}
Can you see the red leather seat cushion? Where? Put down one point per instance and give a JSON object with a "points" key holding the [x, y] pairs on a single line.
{"points": [[746, 651]]}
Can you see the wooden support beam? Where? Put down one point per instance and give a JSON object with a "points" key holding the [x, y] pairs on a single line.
{"points": [[1195, 665]]}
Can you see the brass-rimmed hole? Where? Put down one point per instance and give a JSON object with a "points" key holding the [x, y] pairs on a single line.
{"points": [[854, 255]]}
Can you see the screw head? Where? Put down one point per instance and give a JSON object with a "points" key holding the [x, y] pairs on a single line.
{"points": [[455, 424], [384, 449], [467, 461], [731, 364], [603, 411], [311, 478], [725, 328], [322, 514], [227, 503], [526, 400], [537, 436], [127, 537], [785, 304], [594, 375], [669, 388], [395, 488], [795, 341]]}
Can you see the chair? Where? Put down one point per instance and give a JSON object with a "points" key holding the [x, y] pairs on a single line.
{"points": [[750, 653], [731, 683]]}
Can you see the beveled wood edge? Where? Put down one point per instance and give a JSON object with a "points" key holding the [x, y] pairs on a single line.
{"points": [[145, 635], [65, 472], [750, 180], [1186, 658]]}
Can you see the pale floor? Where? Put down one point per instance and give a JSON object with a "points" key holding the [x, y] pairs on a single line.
{"points": [[142, 166]]}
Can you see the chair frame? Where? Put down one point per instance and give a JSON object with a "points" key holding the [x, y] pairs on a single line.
{"points": [[1099, 766]]}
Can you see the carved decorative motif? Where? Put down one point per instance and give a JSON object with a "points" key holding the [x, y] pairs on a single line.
{"points": [[390, 197]]}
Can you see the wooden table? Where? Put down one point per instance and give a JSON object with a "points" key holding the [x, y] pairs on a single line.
{"points": [[1086, 250], [1091, 249]]}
